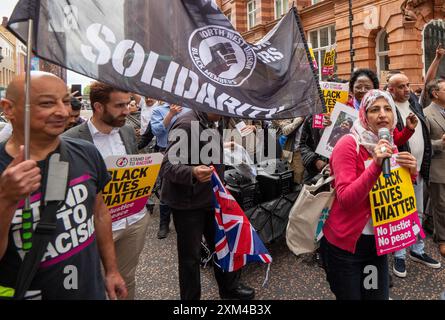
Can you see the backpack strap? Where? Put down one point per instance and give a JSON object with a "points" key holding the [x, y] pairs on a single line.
{"points": [[357, 143], [43, 233]]}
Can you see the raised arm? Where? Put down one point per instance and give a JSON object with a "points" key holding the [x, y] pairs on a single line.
{"points": [[291, 127], [432, 70], [20, 179]]}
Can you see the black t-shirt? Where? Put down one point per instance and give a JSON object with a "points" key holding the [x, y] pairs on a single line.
{"points": [[70, 268]]}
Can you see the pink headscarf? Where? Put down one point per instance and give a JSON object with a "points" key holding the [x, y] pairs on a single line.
{"points": [[361, 129]]}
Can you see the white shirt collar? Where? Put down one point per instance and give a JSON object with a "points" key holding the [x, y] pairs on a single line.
{"points": [[95, 132]]}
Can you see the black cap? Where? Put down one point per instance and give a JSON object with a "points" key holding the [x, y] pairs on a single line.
{"points": [[75, 104]]}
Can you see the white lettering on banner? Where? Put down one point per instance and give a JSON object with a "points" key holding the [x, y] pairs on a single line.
{"points": [[121, 51], [93, 35], [266, 53], [184, 84], [270, 55], [170, 77]]}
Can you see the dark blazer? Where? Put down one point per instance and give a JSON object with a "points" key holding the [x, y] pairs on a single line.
{"points": [[126, 132], [180, 190], [310, 137], [428, 150], [436, 126]]}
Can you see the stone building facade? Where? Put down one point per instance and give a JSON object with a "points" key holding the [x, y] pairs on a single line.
{"points": [[386, 34]]}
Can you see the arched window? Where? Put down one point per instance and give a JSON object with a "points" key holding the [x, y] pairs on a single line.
{"points": [[382, 52], [433, 34]]}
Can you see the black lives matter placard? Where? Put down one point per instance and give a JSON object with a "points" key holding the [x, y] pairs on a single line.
{"points": [[132, 180], [394, 213]]}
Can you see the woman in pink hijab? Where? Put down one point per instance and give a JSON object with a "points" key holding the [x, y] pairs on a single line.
{"points": [[348, 245]]}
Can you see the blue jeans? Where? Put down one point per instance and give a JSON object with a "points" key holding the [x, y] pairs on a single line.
{"points": [[419, 246], [349, 273]]}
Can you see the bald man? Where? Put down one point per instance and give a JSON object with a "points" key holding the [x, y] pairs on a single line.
{"points": [[70, 267], [420, 147]]}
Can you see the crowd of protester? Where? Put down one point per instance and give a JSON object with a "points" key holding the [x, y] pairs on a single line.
{"points": [[125, 123]]}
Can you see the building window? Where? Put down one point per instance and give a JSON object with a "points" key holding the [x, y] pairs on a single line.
{"points": [[382, 52], [316, 1], [251, 14], [280, 8], [322, 40], [433, 34]]}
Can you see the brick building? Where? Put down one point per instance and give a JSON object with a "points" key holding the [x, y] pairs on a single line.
{"points": [[386, 34], [7, 58]]}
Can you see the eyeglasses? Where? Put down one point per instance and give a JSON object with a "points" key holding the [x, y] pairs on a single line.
{"points": [[362, 89]]}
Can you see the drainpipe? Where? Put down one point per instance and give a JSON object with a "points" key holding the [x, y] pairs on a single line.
{"points": [[351, 39]]}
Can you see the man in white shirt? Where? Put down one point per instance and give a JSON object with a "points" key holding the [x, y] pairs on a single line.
{"points": [[420, 147], [146, 106], [107, 130]]}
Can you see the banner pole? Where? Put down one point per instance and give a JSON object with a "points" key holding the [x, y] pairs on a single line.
{"points": [[306, 47], [27, 213]]}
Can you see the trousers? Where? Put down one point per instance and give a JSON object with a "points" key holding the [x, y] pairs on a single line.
{"points": [[437, 196], [356, 276], [129, 243], [190, 226]]}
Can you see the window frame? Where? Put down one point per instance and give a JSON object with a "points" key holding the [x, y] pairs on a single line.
{"points": [[284, 5], [253, 13], [378, 53], [317, 51], [425, 67]]}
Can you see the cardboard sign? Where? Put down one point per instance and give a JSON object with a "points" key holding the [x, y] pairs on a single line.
{"points": [[394, 214], [328, 63], [132, 180], [334, 92]]}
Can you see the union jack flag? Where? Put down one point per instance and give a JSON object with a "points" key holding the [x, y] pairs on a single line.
{"points": [[236, 241]]}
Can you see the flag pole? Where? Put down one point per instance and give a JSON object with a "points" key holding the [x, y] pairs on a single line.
{"points": [[27, 212]]}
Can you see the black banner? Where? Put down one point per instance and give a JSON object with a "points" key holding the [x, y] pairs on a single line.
{"points": [[184, 51]]}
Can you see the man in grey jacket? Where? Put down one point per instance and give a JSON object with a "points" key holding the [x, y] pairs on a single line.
{"points": [[107, 130], [435, 116], [187, 190]]}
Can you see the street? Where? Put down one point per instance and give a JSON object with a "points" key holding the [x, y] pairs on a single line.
{"points": [[290, 278]]}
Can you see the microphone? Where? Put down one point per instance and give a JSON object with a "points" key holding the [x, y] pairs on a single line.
{"points": [[386, 164]]}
